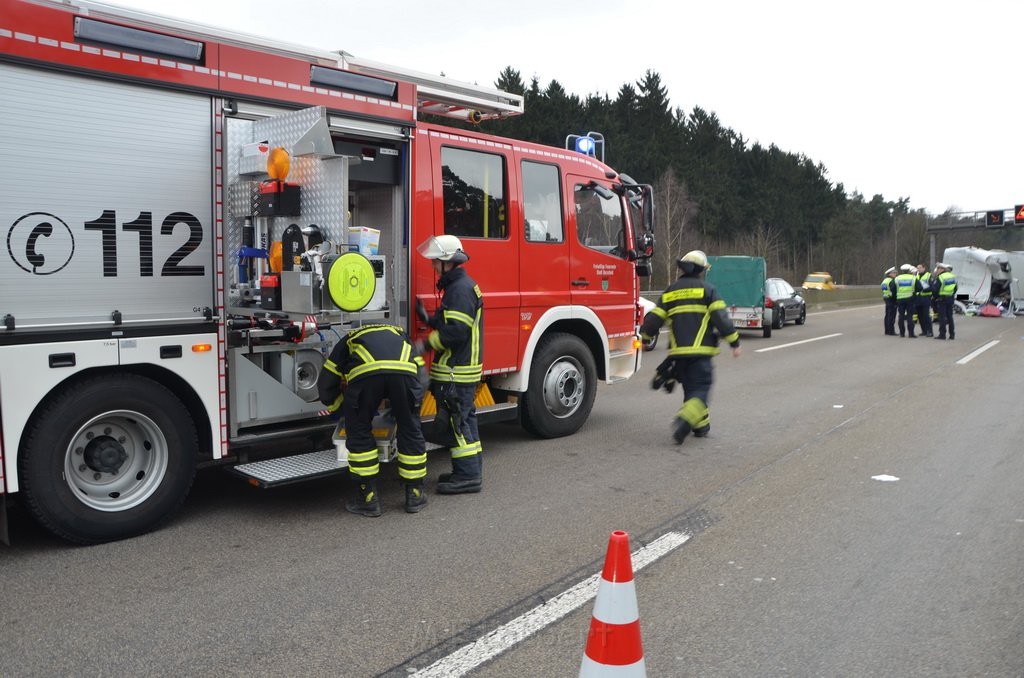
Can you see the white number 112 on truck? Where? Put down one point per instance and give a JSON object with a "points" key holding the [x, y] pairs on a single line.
{"points": [[197, 217]]}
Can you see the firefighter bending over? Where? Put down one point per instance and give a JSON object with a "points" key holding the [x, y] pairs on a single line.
{"points": [[369, 364], [457, 340], [697, 318]]}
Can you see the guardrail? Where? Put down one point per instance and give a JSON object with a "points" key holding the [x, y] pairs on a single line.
{"points": [[817, 300], [853, 295]]}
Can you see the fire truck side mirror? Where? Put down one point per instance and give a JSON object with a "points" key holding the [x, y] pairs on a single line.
{"points": [[645, 244]]}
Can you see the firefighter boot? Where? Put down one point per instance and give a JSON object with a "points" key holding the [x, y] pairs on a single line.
{"points": [[465, 476], [446, 477], [681, 429], [365, 502], [415, 500], [692, 416]]}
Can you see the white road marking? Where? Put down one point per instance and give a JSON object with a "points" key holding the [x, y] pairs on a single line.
{"points": [[797, 343], [870, 306], [974, 354], [885, 478], [468, 657]]}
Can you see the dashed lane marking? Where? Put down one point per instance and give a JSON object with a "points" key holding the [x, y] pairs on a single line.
{"points": [[974, 354], [797, 343]]}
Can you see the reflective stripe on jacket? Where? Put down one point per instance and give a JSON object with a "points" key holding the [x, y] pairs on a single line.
{"points": [[906, 283], [926, 284], [947, 284], [697, 318], [458, 330], [886, 288], [365, 351]]}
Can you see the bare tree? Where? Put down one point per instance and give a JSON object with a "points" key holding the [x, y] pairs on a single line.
{"points": [[674, 212], [763, 241]]}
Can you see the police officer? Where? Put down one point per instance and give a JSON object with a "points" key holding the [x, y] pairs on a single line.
{"points": [[944, 296], [456, 337], [907, 287], [923, 300], [369, 364], [889, 297], [698, 318]]}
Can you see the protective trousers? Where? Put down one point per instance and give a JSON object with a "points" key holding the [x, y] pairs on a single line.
{"points": [[945, 307], [696, 375], [455, 427], [362, 399], [889, 323], [905, 307], [924, 314]]}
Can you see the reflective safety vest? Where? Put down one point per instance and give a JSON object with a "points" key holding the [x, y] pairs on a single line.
{"points": [[886, 290], [926, 284], [366, 351], [947, 284], [905, 286]]}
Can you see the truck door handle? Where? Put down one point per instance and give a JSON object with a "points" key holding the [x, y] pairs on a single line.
{"points": [[580, 283]]}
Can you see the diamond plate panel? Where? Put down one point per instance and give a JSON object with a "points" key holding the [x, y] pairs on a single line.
{"points": [[288, 468], [324, 181]]}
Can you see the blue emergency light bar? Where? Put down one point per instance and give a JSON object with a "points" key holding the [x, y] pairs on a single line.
{"points": [[586, 146]]}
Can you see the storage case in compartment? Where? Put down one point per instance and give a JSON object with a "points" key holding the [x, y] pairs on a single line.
{"points": [[278, 199], [384, 428], [300, 292]]}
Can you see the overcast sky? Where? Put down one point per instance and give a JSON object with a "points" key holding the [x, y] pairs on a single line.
{"points": [[899, 98]]}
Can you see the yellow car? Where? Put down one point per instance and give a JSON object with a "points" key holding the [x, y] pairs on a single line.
{"points": [[818, 281]]}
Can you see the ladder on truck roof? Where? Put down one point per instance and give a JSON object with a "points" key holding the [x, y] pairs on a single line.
{"points": [[435, 94], [439, 95]]}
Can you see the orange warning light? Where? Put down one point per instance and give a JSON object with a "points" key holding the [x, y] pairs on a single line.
{"points": [[278, 164]]}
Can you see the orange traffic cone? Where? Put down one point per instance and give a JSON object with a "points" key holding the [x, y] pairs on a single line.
{"points": [[613, 644]]}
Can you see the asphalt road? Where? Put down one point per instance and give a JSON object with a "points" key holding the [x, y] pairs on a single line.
{"points": [[798, 561]]}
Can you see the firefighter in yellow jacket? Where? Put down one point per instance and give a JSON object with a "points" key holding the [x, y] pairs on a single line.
{"points": [[697, 319], [370, 364]]}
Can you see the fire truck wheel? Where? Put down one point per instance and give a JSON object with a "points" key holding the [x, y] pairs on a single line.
{"points": [[108, 457], [563, 382]]}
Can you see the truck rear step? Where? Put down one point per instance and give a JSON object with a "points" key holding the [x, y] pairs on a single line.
{"points": [[331, 462], [287, 470]]}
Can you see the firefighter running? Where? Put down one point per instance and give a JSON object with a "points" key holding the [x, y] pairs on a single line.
{"points": [[456, 337], [369, 364], [698, 318]]}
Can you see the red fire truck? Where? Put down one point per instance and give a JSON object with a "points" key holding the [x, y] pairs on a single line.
{"points": [[194, 217]]}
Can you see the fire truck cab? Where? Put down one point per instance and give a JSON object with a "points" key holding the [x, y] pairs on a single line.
{"points": [[198, 216]]}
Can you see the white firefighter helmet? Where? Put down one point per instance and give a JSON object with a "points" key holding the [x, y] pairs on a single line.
{"points": [[444, 247], [693, 261]]}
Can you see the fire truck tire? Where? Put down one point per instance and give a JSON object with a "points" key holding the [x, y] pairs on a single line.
{"points": [[107, 458], [563, 383]]}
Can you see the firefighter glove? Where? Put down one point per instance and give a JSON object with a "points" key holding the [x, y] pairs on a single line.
{"points": [[664, 381], [421, 312]]}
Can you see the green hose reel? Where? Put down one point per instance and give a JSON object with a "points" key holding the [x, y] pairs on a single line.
{"points": [[350, 281]]}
